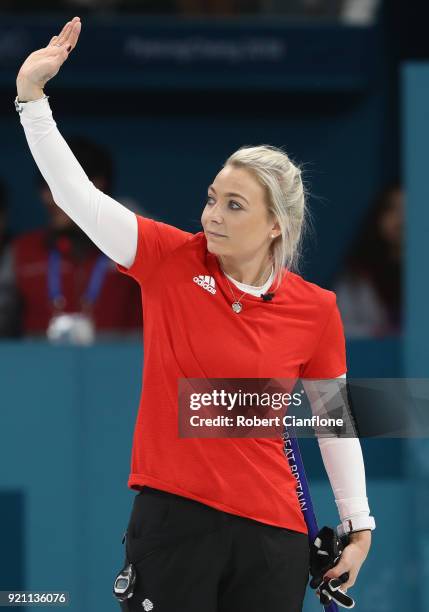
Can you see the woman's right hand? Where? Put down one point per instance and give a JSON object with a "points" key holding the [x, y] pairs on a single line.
{"points": [[43, 64]]}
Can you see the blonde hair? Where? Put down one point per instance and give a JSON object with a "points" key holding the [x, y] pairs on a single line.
{"points": [[285, 199]]}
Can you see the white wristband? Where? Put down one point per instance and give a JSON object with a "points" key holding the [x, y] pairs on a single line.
{"points": [[19, 106], [359, 523]]}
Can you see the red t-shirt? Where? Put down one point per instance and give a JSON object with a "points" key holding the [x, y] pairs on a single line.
{"points": [[192, 332]]}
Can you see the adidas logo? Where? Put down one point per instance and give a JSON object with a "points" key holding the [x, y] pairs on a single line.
{"points": [[206, 282], [147, 604]]}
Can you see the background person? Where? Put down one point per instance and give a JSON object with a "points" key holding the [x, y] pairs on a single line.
{"points": [[80, 279], [369, 291]]}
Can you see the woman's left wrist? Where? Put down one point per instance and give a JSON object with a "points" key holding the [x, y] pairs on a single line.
{"points": [[360, 537]]}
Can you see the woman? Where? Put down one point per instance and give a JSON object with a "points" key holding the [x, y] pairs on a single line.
{"points": [[369, 292], [217, 524]]}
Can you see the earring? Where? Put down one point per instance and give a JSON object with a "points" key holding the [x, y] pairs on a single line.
{"points": [[272, 236]]}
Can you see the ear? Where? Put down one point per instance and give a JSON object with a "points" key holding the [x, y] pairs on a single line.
{"points": [[275, 230]]}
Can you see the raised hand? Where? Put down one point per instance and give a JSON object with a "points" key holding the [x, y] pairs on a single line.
{"points": [[43, 64]]}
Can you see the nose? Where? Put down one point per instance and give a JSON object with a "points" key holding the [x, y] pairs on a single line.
{"points": [[215, 215]]}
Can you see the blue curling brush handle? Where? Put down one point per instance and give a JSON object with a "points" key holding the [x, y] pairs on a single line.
{"points": [[293, 454]]}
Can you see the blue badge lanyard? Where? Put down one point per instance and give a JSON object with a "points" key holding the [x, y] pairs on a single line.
{"points": [[94, 286]]}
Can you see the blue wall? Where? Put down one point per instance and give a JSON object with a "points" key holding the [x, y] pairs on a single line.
{"points": [[67, 423], [415, 88], [67, 419]]}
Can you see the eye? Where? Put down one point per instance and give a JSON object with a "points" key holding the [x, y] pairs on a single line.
{"points": [[232, 204]]}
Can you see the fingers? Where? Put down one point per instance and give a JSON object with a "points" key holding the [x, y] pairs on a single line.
{"points": [[56, 40], [341, 582], [63, 36], [57, 37], [74, 35], [338, 571], [69, 30], [68, 35]]}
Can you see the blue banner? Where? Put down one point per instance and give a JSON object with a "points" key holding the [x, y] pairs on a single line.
{"points": [[168, 53]]}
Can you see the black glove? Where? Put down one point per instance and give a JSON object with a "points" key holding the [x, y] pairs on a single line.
{"points": [[325, 552]]}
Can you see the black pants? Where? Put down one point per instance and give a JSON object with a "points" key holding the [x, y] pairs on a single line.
{"points": [[191, 557]]}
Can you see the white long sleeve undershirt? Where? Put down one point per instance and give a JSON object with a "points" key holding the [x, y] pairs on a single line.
{"points": [[343, 461], [113, 228]]}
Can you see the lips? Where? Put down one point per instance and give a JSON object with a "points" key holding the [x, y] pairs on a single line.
{"points": [[216, 234]]}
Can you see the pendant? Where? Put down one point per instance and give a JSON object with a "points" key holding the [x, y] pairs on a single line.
{"points": [[237, 307]]}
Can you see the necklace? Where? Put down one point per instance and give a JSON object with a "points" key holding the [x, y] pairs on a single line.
{"points": [[236, 306]]}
